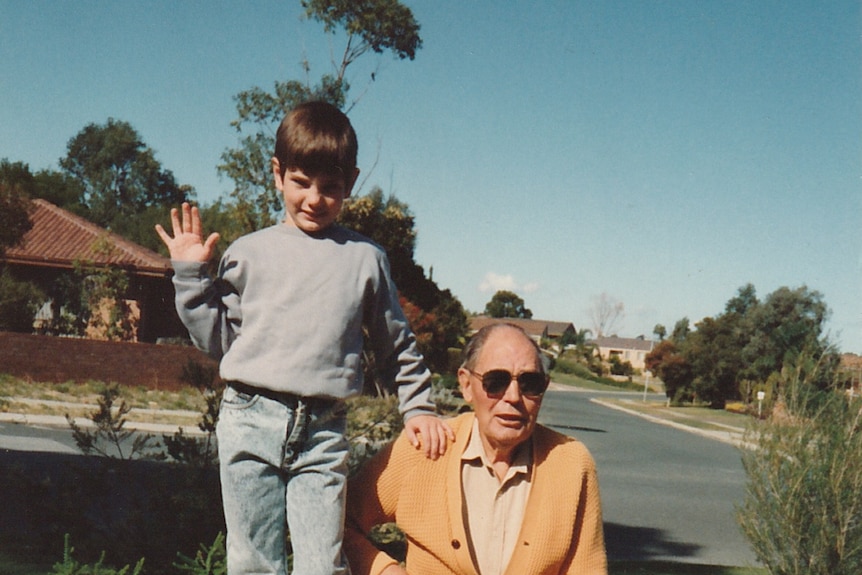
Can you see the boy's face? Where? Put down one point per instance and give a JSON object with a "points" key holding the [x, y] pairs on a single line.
{"points": [[312, 202]]}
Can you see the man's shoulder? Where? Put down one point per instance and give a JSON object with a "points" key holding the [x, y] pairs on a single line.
{"points": [[559, 445]]}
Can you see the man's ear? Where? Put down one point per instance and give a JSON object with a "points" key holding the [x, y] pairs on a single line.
{"points": [[351, 181], [276, 173], [464, 384]]}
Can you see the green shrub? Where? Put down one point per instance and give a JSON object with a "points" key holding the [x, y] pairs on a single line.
{"points": [[802, 511], [19, 302], [69, 566]]}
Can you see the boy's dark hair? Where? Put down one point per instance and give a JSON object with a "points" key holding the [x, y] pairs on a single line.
{"points": [[317, 138]]}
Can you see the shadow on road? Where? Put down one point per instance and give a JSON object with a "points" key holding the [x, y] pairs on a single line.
{"points": [[626, 543], [575, 428]]}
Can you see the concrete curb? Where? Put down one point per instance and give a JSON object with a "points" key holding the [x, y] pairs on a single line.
{"points": [[732, 437], [86, 423]]}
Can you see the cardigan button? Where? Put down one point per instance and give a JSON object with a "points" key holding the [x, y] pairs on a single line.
{"points": [[456, 544]]}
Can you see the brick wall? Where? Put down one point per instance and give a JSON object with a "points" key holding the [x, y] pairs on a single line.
{"points": [[59, 359]]}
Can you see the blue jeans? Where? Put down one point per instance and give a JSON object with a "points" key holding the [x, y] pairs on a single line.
{"points": [[283, 468]]}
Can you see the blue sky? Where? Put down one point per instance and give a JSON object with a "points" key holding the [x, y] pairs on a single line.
{"points": [[663, 153]]}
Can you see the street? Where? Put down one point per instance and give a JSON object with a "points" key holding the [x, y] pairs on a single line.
{"points": [[667, 494]]}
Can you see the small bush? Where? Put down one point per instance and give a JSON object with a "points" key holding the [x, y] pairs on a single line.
{"points": [[19, 302], [69, 566], [802, 512]]}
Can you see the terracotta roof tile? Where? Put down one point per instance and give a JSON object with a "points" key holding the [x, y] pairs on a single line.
{"points": [[59, 238]]}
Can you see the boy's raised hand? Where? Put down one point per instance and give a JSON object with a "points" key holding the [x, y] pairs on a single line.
{"points": [[187, 244], [429, 433]]}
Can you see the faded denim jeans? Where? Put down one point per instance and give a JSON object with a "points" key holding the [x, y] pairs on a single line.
{"points": [[283, 467]]}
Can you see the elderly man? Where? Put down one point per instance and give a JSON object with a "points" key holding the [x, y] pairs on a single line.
{"points": [[509, 497]]}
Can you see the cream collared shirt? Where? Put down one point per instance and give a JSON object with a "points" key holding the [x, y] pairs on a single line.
{"points": [[493, 510]]}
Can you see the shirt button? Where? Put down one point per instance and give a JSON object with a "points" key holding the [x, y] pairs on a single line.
{"points": [[456, 544]]}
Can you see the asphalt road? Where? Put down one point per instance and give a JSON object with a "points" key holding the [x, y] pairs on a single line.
{"points": [[667, 494]]}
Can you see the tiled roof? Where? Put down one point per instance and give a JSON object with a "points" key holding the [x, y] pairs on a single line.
{"points": [[59, 238]]}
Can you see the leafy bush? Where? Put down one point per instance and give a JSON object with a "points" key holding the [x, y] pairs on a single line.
{"points": [[802, 512], [110, 439], [19, 302], [209, 560]]}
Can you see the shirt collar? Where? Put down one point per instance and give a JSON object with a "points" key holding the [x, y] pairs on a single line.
{"points": [[475, 450]]}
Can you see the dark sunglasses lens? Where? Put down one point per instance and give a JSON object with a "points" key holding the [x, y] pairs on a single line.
{"points": [[532, 383], [496, 381]]}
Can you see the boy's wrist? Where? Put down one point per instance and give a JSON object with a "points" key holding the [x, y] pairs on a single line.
{"points": [[186, 268], [419, 411]]}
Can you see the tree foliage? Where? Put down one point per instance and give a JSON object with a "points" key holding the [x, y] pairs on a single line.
{"points": [[16, 190], [19, 302], [727, 356], [122, 183], [369, 26], [435, 315], [505, 303], [377, 25]]}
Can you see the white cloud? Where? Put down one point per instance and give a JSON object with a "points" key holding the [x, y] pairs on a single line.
{"points": [[494, 282]]}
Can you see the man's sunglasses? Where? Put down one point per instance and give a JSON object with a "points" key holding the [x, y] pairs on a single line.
{"points": [[495, 382]]}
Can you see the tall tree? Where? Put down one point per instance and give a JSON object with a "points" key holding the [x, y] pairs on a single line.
{"points": [[14, 208], [505, 303], [751, 342], [369, 26], [606, 313], [19, 300], [786, 323], [59, 188], [390, 223], [122, 180]]}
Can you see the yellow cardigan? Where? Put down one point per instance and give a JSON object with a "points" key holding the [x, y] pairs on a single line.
{"points": [[562, 529]]}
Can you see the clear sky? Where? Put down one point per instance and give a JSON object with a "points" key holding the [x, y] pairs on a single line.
{"points": [[663, 152]]}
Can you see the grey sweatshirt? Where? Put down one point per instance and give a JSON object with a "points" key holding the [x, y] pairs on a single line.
{"points": [[286, 314]]}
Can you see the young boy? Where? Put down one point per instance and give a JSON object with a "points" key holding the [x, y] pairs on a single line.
{"points": [[285, 316]]}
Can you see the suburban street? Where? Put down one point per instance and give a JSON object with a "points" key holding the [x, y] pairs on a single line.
{"points": [[667, 494]]}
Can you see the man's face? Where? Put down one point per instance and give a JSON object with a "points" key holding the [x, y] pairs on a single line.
{"points": [[508, 420], [312, 202]]}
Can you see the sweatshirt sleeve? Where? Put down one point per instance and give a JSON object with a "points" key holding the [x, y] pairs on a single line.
{"points": [[399, 361], [209, 308]]}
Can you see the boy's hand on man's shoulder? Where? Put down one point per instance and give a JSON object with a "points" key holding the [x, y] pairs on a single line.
{"points": [[187, 243], [430, 434]]}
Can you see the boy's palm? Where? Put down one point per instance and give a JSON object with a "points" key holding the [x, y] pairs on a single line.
{"points": [[187, 243]]}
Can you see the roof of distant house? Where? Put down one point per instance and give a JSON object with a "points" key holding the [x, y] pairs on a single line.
{"points": [[59, 239], [636, 343]]}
